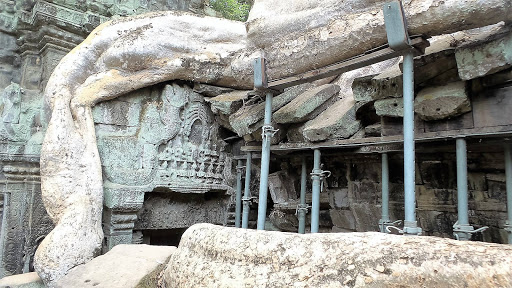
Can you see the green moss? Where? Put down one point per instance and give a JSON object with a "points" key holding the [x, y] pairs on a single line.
{"points": [[237, 10]]}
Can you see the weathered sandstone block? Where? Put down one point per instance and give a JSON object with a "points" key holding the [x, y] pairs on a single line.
{"points": [[214, 256], [245, 120], [228, 103], [338, 121], [393, 107], [442, 102], [478, 61], [375, 87], [307, 105], [125, 266]]}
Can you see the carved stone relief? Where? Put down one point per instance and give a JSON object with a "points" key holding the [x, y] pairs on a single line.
{"points": [[24, 220], [161, 139]]}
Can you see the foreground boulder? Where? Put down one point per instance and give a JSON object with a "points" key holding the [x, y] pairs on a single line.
{"points": [[214, 256], [124, 266]]}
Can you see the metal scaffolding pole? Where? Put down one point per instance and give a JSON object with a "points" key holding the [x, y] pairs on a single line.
{"points": [[238, 200], [385, 194], [260, 82], [398, 39], [410, 224], [267, 132], [302, 208], [461, 229], [247, 192], [508, 174], [462, 182], [315, 206]]}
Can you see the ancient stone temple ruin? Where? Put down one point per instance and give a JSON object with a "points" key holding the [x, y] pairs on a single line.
{"points": [[119, 127]]}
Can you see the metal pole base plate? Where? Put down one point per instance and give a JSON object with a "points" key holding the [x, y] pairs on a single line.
{"points": [[464, 232]]}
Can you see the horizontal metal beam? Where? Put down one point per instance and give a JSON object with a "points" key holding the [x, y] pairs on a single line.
{"points": [[502, 131], [369, 58]]}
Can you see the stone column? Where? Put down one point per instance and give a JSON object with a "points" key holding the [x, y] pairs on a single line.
{"points": [[121, 204]]}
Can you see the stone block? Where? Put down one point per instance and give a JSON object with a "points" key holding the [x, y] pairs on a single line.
{"points": [[366, 215], [228, 103], [485, 59], [464, 121], [26, 280], [380, 86], [392, 107], [373, 130], [307, 105], [343, 219], [441, 102], [124, 266], [339, 198], [210, 90], [394, 125], [281, 188], [294, 133], [338, 121], [436, 68], [492, 107], [283, 221], [249, 118]]}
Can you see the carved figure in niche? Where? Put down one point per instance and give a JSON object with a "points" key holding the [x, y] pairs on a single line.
{"points": [[11, 99], [190, 159]]}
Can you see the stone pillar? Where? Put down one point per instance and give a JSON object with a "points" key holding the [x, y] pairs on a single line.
{"points": [[121, 204]]}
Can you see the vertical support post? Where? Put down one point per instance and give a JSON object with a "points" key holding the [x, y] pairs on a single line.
{"points": [[315, 205], [267, 132], [461, 229], [384, 221], [261, 82], [508, 174], [410, 224], [247, 192], [238, 199], [303, 208], [462, 182]]}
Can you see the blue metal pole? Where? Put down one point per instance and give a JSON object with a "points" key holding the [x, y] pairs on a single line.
{"points": [[238, 207], [315, 206], [508, 174], [462, 182], [302, 209], [267, 132], [385, 193], [410, 224], [247, 192]]}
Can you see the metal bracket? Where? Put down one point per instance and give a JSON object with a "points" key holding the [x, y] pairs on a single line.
{"points": [[322, 174], [248, 199], [260, 73], [464, 232], [268, 131], [410, 228], [396, 25], [508, 228], [302, 207], [384, 224]]}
